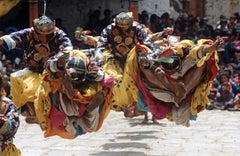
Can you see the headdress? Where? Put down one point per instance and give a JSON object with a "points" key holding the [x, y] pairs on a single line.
{"points": [[124, 19], [44, 25], [76, 68]]}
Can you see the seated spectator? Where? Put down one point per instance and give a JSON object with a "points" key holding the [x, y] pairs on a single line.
{"points": [[225, 96], [107, 19], [165, 20], [155, 24], [226, 77], [226, 91], [236, 104], [144, 18], [93, 23]]}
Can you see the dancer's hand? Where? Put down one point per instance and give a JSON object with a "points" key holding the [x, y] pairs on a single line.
{"points": [[167, 31], [218, 42]]}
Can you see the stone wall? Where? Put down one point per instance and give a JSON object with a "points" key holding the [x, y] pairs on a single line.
{"points": [[75, 12], [215, 8], [154, 6]]}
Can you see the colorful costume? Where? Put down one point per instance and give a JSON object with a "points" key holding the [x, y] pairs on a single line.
{"points": [[8, 127], [176, 84], [68, 115], [25, 82], [119, 58]]}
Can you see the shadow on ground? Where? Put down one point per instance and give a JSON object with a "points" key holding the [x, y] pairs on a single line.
{"points": [[121, 153], [138, 121], [137, 135]]}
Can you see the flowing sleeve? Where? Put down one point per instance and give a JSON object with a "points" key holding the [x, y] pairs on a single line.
{"points": [[19, 39], [64, 40], [143, 37], [103, 39]]}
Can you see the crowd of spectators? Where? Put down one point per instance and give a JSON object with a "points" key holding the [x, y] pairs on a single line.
{"points": [[10, 61], [225, 93]]}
